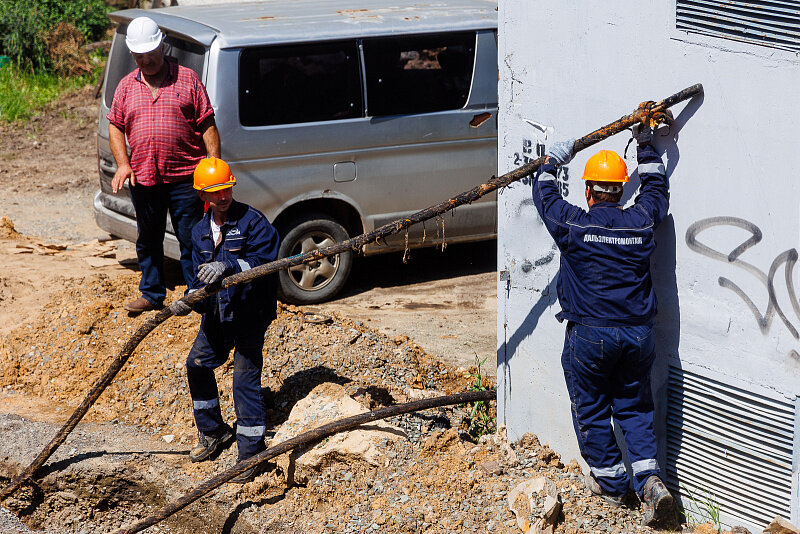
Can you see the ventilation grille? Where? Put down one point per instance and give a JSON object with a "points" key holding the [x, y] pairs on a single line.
{"points": [[732, 444], [774, 23]]}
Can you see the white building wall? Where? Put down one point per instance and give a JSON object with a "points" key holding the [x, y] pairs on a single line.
{"points": [[567, 68]]}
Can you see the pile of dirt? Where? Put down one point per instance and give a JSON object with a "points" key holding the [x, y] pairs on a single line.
{"points": [[436, 480], [65, 48], [61, 353]]}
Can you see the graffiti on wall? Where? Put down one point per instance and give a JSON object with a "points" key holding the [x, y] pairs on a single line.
{"points": [[782, 266]]}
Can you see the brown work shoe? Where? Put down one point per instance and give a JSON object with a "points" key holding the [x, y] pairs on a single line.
{"points": [[141, 305], [208, 445], [659, 508]]}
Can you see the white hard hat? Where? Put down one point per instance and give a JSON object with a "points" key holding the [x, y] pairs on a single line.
{"points": [[143, 35]]}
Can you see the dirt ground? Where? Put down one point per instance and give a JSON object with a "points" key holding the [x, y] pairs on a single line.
{"points": [[398, 333], [446, 301]]}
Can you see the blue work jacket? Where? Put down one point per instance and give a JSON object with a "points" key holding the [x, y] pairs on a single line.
{"points": [[604, 277], [248, 240]]}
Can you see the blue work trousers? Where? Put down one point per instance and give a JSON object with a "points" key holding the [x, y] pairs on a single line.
{"points": [[607, 371], [152, 203], [210, 350]]}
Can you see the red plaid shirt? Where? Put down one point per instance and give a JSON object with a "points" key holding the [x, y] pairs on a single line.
{"points": [[164, 133]]}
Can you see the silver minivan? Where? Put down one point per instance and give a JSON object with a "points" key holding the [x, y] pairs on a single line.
{"points": [[336, 118]]}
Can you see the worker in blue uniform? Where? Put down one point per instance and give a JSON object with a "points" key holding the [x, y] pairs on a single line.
{"points": [[231, 238], [607, 298]]}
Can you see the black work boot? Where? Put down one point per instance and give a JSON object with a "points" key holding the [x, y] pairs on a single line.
{"points": [[254, 471], [209, 444], [658, 505], [250, 474]]}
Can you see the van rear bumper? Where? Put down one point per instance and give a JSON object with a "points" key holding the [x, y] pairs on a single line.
{"points": [[124, 226]]}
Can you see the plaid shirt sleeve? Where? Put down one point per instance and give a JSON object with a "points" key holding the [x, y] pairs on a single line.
{"points": [[202, 104], [116, 115]]}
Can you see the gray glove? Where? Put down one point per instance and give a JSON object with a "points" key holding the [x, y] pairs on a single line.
{"points": [[643, 134], [561, 152], [180, 308], [210, 272]]}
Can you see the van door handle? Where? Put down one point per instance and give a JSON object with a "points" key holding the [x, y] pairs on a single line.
{"points": [[344, 171], [107, 165], [479, 119]]}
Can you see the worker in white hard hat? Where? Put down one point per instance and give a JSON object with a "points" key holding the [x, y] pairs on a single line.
{"points": [[163, 110]]}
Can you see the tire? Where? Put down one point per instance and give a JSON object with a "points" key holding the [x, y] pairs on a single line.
{"points": [[320, 281]]}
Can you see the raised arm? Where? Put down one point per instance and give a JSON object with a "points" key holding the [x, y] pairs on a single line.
{"points": [[552, 208], [653, 197]]}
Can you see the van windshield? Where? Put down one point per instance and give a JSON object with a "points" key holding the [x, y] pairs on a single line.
{"points": [[190, 55]]}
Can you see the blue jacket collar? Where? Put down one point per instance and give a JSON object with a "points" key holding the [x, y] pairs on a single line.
{"points": [[235, 212]]}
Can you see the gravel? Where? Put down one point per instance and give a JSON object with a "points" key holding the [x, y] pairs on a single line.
{"points": [[10, 524]]}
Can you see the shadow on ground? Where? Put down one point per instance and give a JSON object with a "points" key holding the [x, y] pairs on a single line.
{"points": [[422, 265]]}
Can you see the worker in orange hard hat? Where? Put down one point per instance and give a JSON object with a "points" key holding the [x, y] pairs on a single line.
{"points": [[231, 238], [605, 173], [607, 298], [213, 174]]}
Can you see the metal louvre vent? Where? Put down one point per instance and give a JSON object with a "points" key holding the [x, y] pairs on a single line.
{"points": [[773, 23], [732, 444]]}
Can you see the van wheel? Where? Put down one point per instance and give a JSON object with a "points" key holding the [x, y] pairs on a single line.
{"points": [[323, 279]]}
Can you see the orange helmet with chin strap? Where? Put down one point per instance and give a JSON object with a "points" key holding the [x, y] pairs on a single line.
{"points": [[606, 166], [213, 174]]}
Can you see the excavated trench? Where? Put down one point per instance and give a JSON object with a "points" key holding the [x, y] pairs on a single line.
{"points": [[97, 499], [77, 500]]}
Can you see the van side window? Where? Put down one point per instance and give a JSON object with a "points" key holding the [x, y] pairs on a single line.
{"points": [[301, 83], [190, 55], [418, 74]]}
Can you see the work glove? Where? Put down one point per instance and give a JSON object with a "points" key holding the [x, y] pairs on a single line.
{"points": [[561, 152], [643, 134], [209, 273], [643, 130], [180, 308]]}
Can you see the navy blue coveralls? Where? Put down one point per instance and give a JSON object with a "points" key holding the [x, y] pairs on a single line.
{"points": [[236, 317], [606, 295]]}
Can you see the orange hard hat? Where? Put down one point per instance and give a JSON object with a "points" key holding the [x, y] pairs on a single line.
{"points": [[213, 174], [606, 166]]}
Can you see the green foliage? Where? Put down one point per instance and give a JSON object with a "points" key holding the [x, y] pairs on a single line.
{"points": [[481, 420], [24, 92], [706, 510], [25, 26]]}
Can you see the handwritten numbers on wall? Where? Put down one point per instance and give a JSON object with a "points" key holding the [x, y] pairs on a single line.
{"points": [[529, 152]]}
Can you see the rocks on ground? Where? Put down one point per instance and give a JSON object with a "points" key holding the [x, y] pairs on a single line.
{"points": [[420, 473], [357, 448], [780, 525]]}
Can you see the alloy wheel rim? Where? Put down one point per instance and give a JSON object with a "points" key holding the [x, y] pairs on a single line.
{"points": [[313, 276]]}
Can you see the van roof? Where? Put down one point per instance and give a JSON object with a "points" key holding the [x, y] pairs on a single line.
{"points": [[283, 21]]}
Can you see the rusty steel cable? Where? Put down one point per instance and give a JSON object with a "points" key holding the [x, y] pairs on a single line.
{"points": [[303, 440], [353, 244]]}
